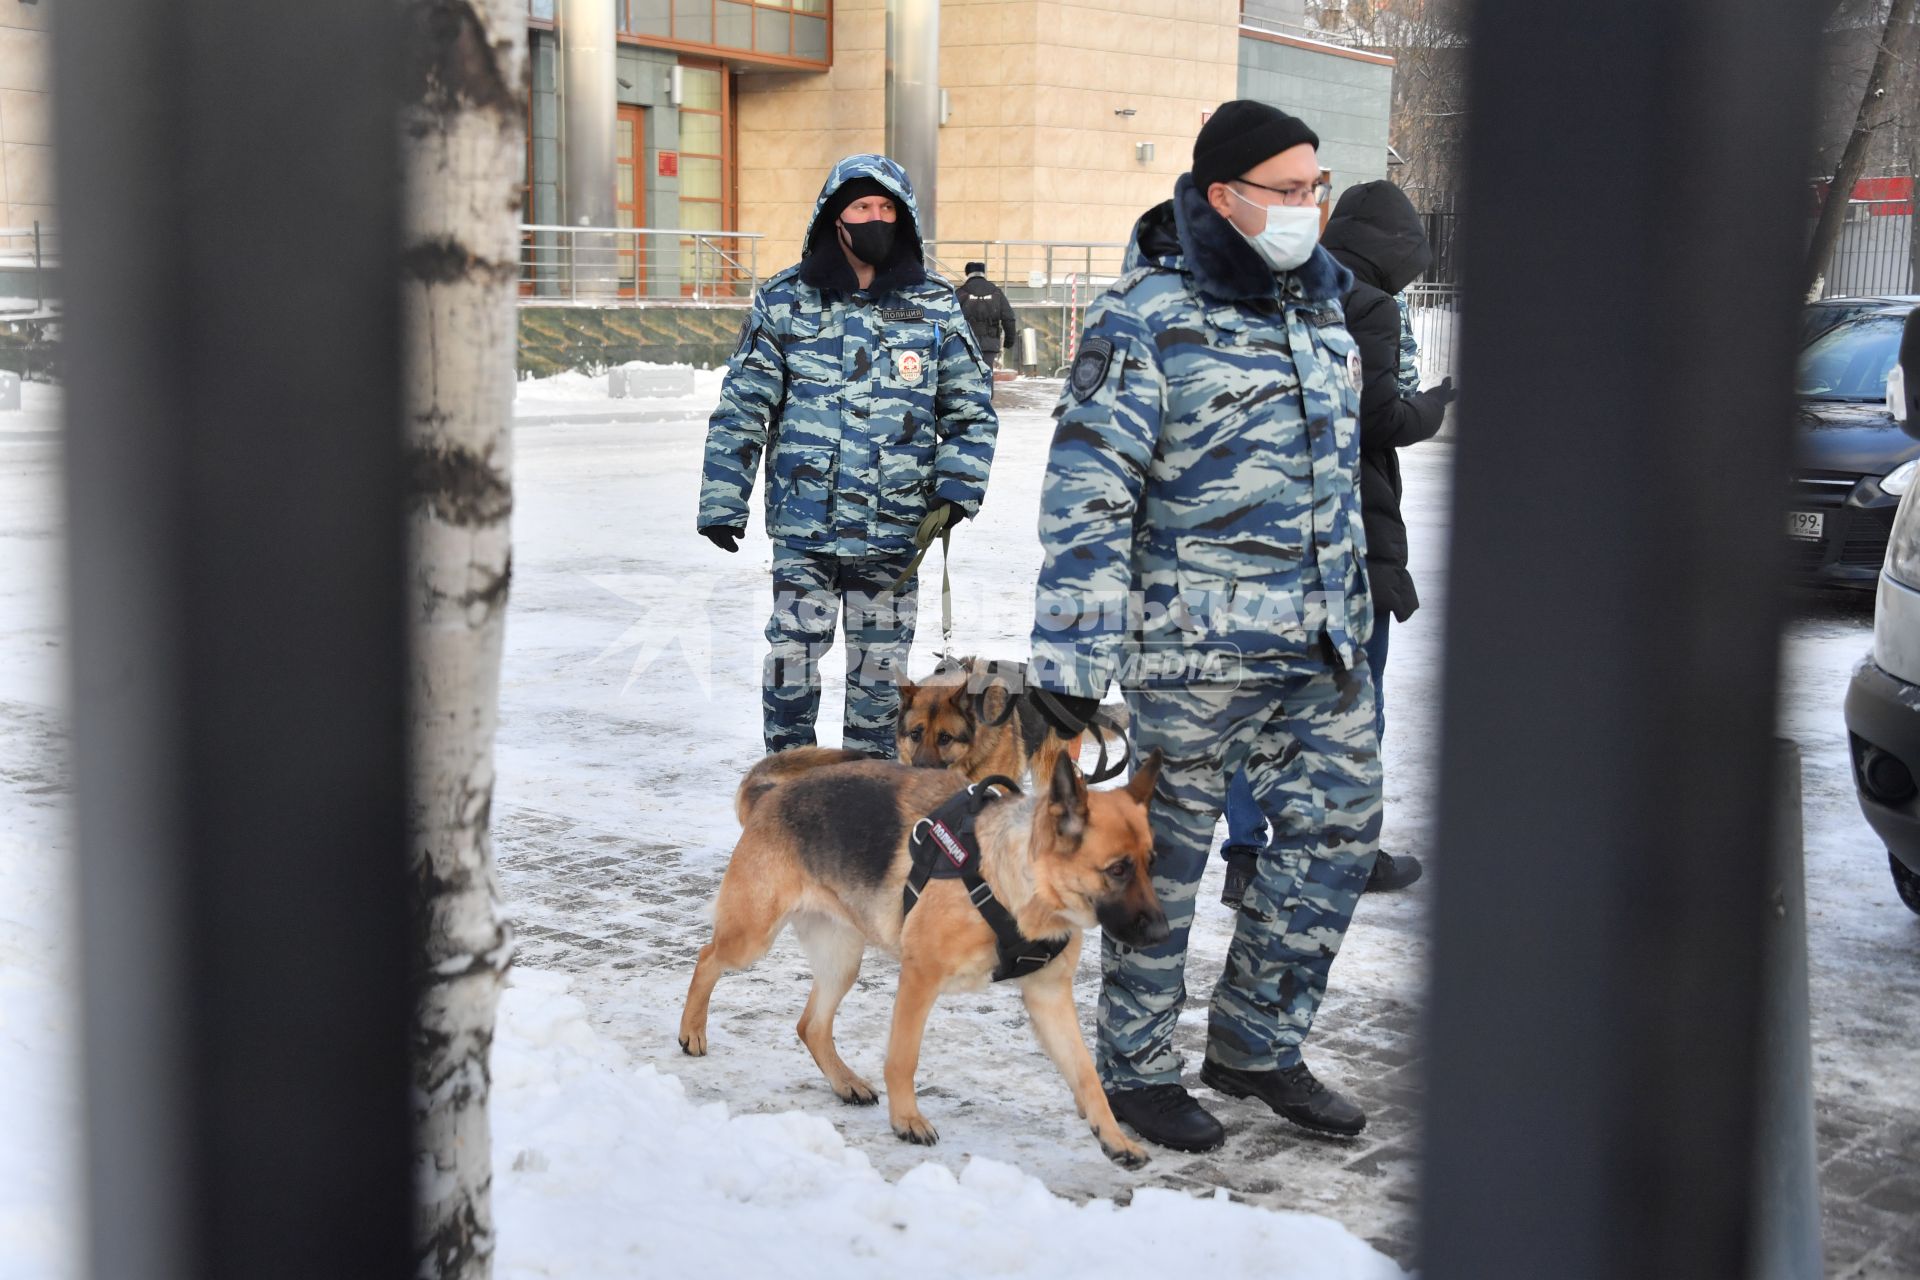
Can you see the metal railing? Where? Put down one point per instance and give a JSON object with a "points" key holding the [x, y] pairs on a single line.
{"points": [[1875, 253], [610, 265], [28, 258], [1033, 270], [1435, 312]]}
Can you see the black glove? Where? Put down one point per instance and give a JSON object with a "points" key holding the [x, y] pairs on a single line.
{"points": [[955, 513], [723, 537], [1444, 394], [1068, 715]]}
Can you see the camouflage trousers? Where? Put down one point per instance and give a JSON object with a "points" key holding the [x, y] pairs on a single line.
{"points": [[1306, 739], [810, 595]]}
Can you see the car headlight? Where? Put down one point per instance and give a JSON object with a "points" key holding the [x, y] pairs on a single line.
{"points": [[1895, 482], [1903, 548]]}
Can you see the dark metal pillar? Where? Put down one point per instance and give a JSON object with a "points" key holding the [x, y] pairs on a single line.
{"points": [[228, 194], [1633, 244]]}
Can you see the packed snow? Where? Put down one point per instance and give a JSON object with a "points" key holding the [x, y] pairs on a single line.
{"points": [[605, 1168]]}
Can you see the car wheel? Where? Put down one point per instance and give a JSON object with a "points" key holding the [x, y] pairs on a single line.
{"points": [[1907, 882]]}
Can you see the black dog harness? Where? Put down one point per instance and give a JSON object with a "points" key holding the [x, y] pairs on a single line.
{"points": [[944, 847]]}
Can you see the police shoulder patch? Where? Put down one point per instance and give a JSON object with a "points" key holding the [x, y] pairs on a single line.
{"points": [[1090, 368]]}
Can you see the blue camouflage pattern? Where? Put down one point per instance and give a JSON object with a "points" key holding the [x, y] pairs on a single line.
{"points": [[868, 409], [1409, 373], [1201, 496], [1203, 540], [1306, 740], [810, 595]]}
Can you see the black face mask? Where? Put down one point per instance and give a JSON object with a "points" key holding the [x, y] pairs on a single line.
{"points": [[872, 242]]}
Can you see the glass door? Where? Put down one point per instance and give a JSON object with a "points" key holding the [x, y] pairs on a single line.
{"points": [[630, 197]]}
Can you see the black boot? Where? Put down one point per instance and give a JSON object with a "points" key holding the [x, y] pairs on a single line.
{"points": [[1293, 1094], [1390, 872], [1167, 1115]]}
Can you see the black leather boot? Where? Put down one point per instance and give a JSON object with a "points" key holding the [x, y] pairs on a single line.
{"points": [[1293, 1094], [1391, 872], [1166, 1115]]}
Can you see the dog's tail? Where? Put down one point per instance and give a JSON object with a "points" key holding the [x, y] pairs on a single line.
{"points": [[782, 766]]}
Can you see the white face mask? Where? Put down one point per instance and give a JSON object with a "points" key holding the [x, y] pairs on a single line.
{"points": [[1290, 234]]}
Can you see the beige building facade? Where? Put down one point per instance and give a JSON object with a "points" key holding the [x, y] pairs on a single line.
{"points": [[26, 127], [1063, 120], [1048, 105]]}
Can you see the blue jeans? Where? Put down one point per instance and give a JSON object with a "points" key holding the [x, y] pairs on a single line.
{"points": [[1246, 825]]}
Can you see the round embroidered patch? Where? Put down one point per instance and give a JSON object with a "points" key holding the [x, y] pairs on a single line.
{"points": [[910, 365], [1353, 370]]}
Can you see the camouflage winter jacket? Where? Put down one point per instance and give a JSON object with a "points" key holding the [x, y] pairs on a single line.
{"points": [[870, 405], [1200, 514]]}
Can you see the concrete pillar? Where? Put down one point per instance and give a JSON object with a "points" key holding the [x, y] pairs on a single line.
{"points": [[913, 99], [590, 108]]}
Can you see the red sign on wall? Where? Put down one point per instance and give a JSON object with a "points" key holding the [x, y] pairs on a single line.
{"points": [[669, 164]]}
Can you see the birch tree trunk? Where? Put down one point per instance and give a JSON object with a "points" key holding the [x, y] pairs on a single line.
{"points": [[464, 142]]}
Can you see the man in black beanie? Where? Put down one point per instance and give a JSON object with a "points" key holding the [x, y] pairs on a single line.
{"points": [[1201, 523], [989, 313]]}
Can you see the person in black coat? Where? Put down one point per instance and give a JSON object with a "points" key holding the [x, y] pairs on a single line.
{"points": [[1375, 233], [988, 312]]}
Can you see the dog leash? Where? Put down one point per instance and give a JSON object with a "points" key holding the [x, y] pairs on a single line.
{"points": [[933, 522]]}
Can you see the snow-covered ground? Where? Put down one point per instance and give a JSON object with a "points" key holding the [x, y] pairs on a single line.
{"points": [[630, 705]]}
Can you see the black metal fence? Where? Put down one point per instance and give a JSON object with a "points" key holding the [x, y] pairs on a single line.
{"points": [[1875, 252]]}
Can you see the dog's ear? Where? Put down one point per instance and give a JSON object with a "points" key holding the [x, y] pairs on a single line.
{"points": [[907, 690], [957, 696], [1067, 800], [1140, 785], [992, 705]]}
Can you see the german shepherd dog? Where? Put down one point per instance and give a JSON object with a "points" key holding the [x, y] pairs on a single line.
{"points": [[825, 850], [975, 716]]}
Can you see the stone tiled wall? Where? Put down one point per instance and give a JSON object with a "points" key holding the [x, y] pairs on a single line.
{"points": [[1034, 147], [26, 138], [593, 339]]}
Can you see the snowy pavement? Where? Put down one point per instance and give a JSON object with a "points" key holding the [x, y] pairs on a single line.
{"points": [[630, 708]]}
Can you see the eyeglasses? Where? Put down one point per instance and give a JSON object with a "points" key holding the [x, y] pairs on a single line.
{"points": [[1294, 197]]}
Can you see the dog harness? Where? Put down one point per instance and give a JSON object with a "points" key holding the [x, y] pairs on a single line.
{"points": [[944, 846]]}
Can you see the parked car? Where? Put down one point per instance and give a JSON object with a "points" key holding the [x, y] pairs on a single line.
{"points": [[1852, 462], [1883, 700]]}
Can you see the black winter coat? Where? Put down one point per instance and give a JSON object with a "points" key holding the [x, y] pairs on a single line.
{"points": [[1376, 234], [988, 313]]}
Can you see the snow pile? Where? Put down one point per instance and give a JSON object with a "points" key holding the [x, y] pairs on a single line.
{"points": [[38, 1107], [592, 387], [603, 1168]]}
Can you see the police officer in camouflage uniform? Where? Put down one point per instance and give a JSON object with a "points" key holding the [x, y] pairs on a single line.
{"points": [[1202, 529], [858, 378]]}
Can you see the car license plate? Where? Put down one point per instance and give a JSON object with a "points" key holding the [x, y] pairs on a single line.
{"points": [[1806, 524]]}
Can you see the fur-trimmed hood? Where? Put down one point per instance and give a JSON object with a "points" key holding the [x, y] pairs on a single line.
{"points": [[1186, 235], [826, 267]]}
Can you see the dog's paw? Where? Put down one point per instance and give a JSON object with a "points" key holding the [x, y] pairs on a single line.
{"points": [[857, 1093], [694, 1044], [916, 1130], [1128, 1155]]}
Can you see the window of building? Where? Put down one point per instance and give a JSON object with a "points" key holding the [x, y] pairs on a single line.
{"points": [[703, 175], [781, 31]]}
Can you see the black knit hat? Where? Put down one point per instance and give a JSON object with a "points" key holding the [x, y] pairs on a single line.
{"points": [[1240, 135], [855, 189]]}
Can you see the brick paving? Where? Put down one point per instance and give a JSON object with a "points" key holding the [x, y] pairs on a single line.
{"points": [[614, 911]]}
